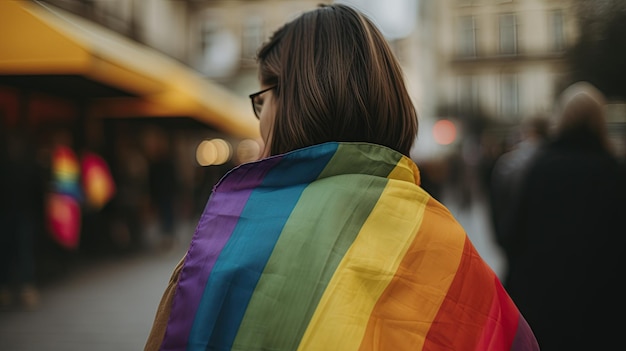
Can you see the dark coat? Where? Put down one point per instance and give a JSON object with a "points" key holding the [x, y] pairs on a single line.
{"points": [[569, 238]]}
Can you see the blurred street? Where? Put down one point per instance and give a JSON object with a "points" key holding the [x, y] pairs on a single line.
{"points": [[118, 117], [476, 222], [109, 304]]}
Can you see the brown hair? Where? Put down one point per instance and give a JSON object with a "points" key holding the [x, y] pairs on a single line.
{"points": [[337, 80]]}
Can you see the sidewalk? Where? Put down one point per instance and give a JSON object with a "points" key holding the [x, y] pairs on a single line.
{"points": [[106, 305]]}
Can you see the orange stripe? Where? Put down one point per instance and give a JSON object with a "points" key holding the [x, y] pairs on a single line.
{"points": [[403, 315], [467, 307]]}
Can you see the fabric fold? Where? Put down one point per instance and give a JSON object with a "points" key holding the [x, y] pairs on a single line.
{"points": [[335, 246]]}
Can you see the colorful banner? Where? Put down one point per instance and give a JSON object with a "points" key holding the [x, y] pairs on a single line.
{"points": [[97, 182], [336, 247], [62, 208]]}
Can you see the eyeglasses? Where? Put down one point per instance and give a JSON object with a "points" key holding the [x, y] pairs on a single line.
{"points": [[257, 105]]}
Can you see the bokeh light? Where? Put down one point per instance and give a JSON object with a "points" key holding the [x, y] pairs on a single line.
{"points": [[213, 152], [224, 151], [248, 150], [444, 132]]}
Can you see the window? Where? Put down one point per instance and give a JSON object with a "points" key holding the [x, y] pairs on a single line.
{"points": [[209, 30], [116, 15], [557, 30], [219, 48], [252, 37], [508, 34], [467, 36], [509, 96], [467, 93]]}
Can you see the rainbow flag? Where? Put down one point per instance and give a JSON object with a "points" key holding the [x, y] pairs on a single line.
{"points": [[335, 247], [65, 171], [63, 204], [97, 181]]}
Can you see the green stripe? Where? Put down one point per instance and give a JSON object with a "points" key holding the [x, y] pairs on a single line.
{"points": [[320, 230]]}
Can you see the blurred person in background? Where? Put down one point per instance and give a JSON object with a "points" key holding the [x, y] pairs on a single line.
{"points": [[508, 172], [131, 174], [163, 185], [568, 243], [329, 242], [459, 179], [21, 214]]}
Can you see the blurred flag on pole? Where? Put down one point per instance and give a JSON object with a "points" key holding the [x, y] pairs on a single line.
{"points": [[97, 182], [63, 219], [66, 172], [63, 214]]}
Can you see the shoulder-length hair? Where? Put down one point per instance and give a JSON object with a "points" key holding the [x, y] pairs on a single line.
{"points": [[336, 80]]}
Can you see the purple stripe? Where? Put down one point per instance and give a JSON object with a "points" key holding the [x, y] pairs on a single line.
{"points": [[206, 245], [524, 338]]}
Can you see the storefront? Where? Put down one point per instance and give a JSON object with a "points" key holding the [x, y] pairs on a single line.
{"points": [[64, 80]]}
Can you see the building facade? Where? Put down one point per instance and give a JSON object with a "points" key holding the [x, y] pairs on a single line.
{"points": [[502, 58]]}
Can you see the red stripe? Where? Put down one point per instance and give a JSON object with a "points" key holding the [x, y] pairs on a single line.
{"points": [[501, 327], [467, 308]]}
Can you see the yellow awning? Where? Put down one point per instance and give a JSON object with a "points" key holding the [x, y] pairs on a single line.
{"points": [[38, 39]]}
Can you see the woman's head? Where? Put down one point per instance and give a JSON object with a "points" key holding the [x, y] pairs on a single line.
{"points": [[336, 79], [581, 114]]}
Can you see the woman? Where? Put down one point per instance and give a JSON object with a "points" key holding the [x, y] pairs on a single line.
{"points": [[568, 231], [328, 242]]}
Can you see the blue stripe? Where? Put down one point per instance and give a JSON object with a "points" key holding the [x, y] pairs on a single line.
{"points": [[241, 262]]}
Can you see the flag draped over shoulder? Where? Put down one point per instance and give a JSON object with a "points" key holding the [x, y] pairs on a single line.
{"points": [[334, 247]]}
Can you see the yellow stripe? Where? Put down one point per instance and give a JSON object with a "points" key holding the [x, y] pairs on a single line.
{"points": [[343, 313], [405, 170], [412, 301]]}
